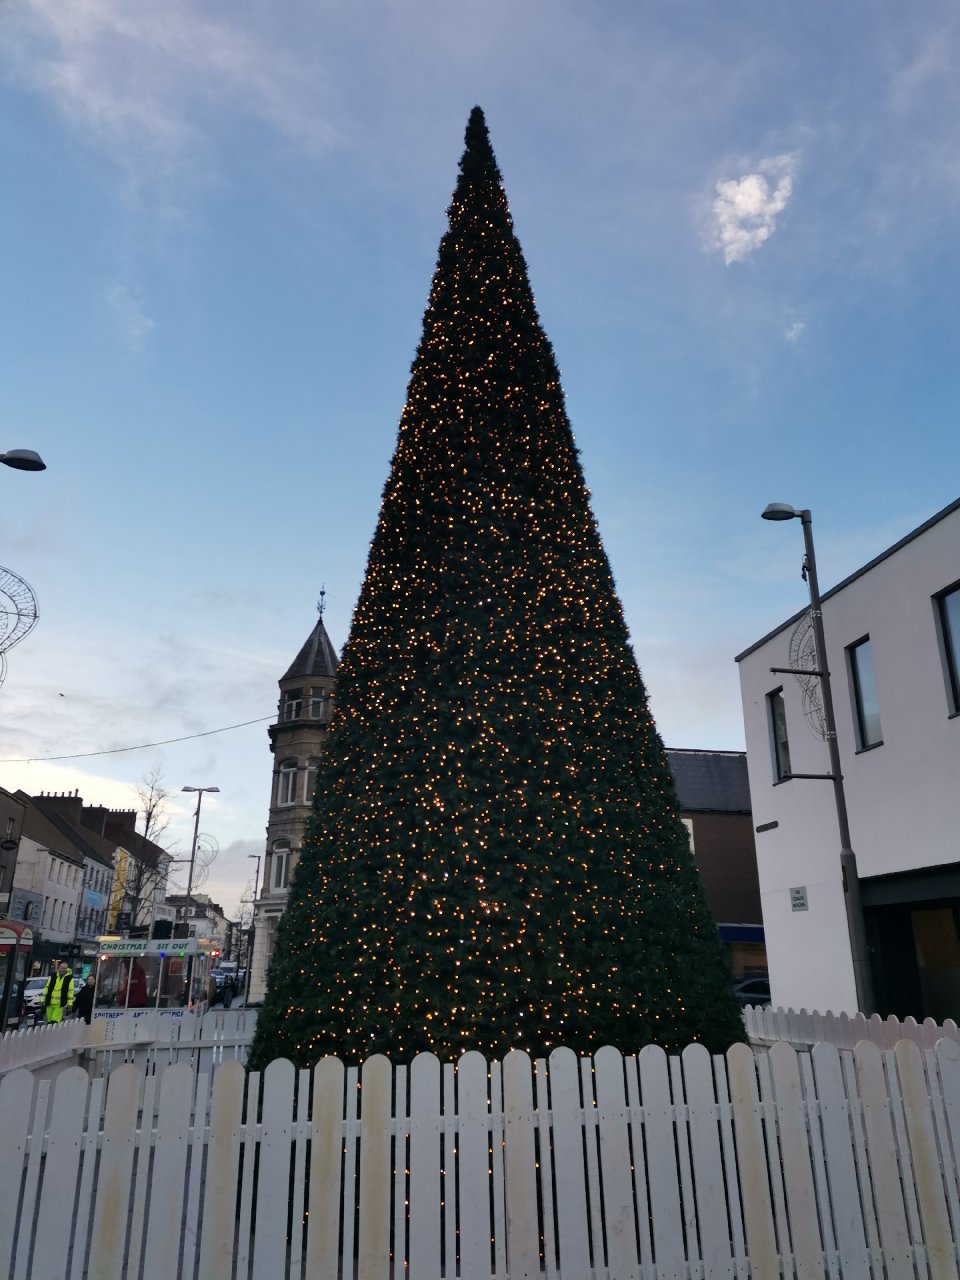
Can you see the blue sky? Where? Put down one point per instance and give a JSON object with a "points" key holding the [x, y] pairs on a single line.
{"points": [[217, 233]]}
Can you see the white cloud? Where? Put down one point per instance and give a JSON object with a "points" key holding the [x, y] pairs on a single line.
{"points": [[795, 331], [129, 315], [746, 209], [58, 779], [142, 78]]}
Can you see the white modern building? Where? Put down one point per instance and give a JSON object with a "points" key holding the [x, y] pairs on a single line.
{"points": [[892, 634]]}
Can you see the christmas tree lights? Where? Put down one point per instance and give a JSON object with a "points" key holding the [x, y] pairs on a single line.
{"points": [[495, 858]]}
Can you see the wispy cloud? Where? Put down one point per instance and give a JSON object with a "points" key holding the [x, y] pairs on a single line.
{"points": [[746, 209], [129, 315], [795, 331], [141, 77]]}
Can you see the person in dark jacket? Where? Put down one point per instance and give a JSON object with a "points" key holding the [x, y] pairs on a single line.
{"points": [[84, 1001]]}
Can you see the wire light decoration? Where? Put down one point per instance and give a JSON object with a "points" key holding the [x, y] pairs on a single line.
{"points": [[803, 657], [18, 613]]}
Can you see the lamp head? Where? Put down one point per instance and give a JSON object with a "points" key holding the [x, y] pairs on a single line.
{"points": [[217, 789], [779, 511], [23, 460]]}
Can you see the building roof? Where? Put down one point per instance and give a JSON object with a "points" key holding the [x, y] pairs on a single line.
{"points": [[195, 900], [39, 827], [317, 657], [88, 842], [119, 828], [871, 564], [710, 781]]}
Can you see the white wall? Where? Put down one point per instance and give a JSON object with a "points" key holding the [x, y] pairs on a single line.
{"points": [[60, 882], [903, 797]]}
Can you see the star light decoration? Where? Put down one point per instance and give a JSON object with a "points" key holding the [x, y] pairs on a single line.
{"points": [[495, 859]]}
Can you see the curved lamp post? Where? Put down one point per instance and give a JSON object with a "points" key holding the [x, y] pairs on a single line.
{"points": [[251, 930], [848, 859], [196, 830]]}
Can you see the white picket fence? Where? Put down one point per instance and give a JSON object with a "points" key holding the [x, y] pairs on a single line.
{"points": [[41, 1045], [822, 1163], [768, 1026], [152, 1041], [149, 1040]]}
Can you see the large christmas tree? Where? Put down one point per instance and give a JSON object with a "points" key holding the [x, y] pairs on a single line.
{"points": [[495, 858]]}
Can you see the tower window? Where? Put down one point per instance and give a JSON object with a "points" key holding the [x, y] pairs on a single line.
{"points": [[287, 782], [310, 783], [292, 706], [281, 864]]}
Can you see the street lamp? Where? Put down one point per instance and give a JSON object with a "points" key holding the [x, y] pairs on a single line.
{"points": [[250, 931], [193, 850], [23, 460], [848, 859]]}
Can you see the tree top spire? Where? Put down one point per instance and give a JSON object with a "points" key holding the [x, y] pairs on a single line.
{"points": [[478, 158]]}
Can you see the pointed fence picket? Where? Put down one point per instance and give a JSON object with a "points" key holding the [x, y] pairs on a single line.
{"points": [[833, 1163], [41, 1044], [766, 1025]]}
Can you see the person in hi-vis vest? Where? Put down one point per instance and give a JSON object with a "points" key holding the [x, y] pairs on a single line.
{"points": [[58, 993]]}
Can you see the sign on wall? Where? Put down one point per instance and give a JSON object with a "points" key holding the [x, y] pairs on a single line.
{"points": [[798, 899]]}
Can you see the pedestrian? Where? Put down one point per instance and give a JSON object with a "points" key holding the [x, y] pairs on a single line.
{"points": [[58, 993], [84, 1005], [227, 991], [136, 992]]}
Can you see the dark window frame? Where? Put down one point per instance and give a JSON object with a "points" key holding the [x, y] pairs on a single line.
{"points": [[855, 673], [949, 643], [780, 774]]}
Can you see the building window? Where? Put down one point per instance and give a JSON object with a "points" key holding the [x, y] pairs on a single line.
{"points": [[292, 704], [310, 784], [287, 782], [778, 735], [281, 863], [320, 705], [948, 625], [863, 684]]}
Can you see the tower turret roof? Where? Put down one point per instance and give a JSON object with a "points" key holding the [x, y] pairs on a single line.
{"points": [[317, 657]]}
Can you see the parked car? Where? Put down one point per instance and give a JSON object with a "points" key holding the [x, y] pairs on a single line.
{"points": [[755, 991], [32, 996], [228, 969]]}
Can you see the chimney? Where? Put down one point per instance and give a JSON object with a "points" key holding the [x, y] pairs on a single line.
{"points": [[69, 807], [94, 817], [120, 825]]}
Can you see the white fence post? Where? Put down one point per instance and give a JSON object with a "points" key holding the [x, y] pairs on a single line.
{"points": [[787, 1163]]}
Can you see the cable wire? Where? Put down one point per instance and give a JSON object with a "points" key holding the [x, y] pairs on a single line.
{"points": [[142, 746]]}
